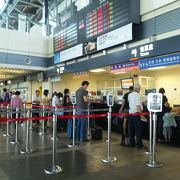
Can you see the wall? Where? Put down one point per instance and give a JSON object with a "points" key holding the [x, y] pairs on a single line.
{"points": [[23, 43]]}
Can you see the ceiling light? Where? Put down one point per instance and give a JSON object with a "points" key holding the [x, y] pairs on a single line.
{"points": [[161, 67], [119, 73], [97, 70]]}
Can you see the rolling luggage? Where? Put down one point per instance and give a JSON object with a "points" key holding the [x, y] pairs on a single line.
{"points": [[96, 133]]}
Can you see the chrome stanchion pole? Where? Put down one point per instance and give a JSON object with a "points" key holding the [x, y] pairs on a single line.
{"points": [[109, 159], [88, 128], [150, 135], [16, 141], [43, 125], [7, 134], [55, 169], [31, 122], [152, 159], [27, 149], [73, 144]]}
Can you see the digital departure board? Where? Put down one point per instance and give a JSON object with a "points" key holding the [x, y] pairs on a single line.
{"points": [[66, 37], [96, 18], [106, 16]]}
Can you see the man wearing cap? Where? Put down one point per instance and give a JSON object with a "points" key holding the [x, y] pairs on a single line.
{"points": [[135, 121]]}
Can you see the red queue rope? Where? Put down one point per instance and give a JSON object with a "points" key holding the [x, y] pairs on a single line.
{"points": [[74, 116]]}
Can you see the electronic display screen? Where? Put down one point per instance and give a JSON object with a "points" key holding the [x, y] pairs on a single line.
{"points": [[126, 83]]}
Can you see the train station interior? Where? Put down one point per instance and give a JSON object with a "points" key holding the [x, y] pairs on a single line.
{"points": [[57, 56]]}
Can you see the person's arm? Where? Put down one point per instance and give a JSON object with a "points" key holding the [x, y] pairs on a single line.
{"points": [[86, 99], [122, 105]]}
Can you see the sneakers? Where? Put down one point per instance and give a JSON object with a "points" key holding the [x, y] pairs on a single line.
{"points": [[142, 147]]}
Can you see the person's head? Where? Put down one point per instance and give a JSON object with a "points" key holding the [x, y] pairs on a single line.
{"points": [[59, 95], [37, 92], [17, 93], [46, 92], [4, 90], [66, 91], [169, 109], [131, 88], [85, 84], [162, 90], [137, 88]]}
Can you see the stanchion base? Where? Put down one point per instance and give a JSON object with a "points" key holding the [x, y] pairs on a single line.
{"points": [[1, 129], [109, 160], [154, 164], [7, 135], [24, 151], [53, 170], [57, 138], [41, 133], [15, 142], [147, 153], [71, 145]]}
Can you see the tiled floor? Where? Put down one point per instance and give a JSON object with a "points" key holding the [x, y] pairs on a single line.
{"points": [[84, 161]]}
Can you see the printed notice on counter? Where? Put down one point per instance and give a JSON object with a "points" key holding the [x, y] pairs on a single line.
{"points": [[118, 36]]}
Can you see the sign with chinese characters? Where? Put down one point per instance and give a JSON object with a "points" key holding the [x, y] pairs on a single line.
{"points": [[168, 60], [60, 70], [81, 74], [142, 51], [125, 67], [118, 36]]}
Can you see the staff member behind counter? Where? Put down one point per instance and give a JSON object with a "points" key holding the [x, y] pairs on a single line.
{"points": [[135, 122], [82, 104]]}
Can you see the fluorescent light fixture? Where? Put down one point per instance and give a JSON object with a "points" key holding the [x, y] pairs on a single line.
{"points": [[161, 67], [97, 70]]}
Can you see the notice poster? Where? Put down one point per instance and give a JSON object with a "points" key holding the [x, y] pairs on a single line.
{"points": [[71, 53], [160, 3], [118, 36]]}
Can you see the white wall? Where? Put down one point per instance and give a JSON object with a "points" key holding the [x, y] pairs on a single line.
{"points": [[24, 43]]}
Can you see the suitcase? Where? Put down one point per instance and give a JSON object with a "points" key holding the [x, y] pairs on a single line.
{"points": [[96, 133]]}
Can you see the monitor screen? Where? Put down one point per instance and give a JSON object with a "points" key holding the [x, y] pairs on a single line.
{"points": [[126, 83]]}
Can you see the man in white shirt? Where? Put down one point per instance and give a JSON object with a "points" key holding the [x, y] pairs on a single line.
{"points": [[135, 123]]}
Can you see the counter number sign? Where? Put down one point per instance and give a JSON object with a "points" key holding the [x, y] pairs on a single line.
{"points": [[155, 102], [73, 99], [110, 100]]}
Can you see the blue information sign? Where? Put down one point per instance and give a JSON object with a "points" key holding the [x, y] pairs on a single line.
{"points": [[168, 60], [57, 58]]}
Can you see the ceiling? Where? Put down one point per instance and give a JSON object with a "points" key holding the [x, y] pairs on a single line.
{"points": [[10, 73], [32, 9]]}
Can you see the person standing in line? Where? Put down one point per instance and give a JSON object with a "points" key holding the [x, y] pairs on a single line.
{"points": [[135, 123], [82, 104], [45, 102], [169, 122], [160, 137], [36, 100], [5, 96], [16, 102], [125, 109], [67, 102]]}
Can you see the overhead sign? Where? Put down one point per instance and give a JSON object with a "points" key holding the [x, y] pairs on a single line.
{"points": [[57, 58], [71, 53], [81, 74], [118, 36], [168, 60], [55, 79], [125, 67]]}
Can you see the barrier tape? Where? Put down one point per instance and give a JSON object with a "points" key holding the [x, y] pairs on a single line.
{"points": [[130, 114]]}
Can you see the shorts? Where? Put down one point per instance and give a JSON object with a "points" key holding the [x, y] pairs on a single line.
{"points": [[167, 131]]}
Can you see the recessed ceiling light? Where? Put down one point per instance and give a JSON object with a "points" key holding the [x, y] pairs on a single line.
{"points": [[119, 73], [161, 67], [97, 70]]}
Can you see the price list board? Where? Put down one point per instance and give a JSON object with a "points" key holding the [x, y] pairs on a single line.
{"points": [[65, 37], [106, 16]]}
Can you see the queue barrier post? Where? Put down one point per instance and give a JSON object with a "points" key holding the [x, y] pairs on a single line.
{"points": [[55, 169], [42, 123], [73, 144], [88, 128], [31, 122], [152, 158], [27, 149], [7, 134], [16, 141], [149, 152], [109, 158]]}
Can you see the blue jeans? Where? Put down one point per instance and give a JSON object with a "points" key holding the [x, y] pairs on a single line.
{"points": [[81, 126], [135, 127], [70, 128]]}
